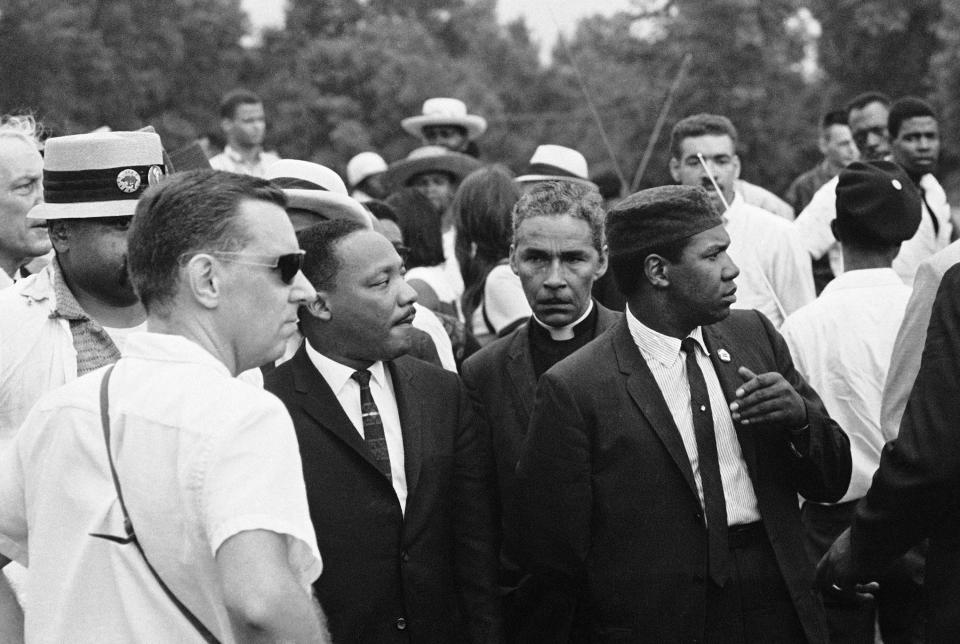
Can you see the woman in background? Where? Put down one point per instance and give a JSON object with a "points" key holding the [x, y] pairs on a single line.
{"points": [[493, 301]]}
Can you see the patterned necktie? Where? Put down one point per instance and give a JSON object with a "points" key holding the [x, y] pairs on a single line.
{"points": [[715, 506], [372, 425]]}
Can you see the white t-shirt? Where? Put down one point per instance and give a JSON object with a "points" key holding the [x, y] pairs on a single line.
{"points": [[201, 457], [503, 300]]}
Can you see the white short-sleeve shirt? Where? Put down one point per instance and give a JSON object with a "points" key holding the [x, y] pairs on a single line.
{"points": [[201, 457]]}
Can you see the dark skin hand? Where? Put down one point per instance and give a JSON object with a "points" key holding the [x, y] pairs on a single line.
{"points": [[835, 575], [767, 398]]}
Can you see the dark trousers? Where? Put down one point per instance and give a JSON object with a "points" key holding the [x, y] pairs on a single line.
{"points": [[897, 606], [754, 604]]}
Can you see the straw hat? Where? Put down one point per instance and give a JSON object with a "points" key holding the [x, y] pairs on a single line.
{"points": [[100, 174], [556, 163], [445, 111], [317, 189], [430, 158]]}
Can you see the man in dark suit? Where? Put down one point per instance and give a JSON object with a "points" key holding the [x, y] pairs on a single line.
{"points": [[914, 491], [396, 463], [558, 251], [659, 478]]}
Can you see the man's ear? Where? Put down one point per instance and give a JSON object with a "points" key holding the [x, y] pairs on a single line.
{"points": [[319, 308], [203, 279], [656, 269], [604, 262], [514, 260], [736, 166], [59, 231], [675, 169]]}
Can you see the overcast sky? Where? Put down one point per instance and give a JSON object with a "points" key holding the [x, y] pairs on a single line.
{"points": [[542, 16]]}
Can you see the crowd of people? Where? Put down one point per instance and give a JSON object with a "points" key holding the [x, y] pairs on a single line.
{"points": [[245, 398]]}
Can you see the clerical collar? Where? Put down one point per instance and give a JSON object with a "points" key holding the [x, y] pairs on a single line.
{"points": [[561, 333]]}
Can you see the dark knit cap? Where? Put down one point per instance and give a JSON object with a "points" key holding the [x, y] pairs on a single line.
{"points": [[657, 217], [877, 203]]}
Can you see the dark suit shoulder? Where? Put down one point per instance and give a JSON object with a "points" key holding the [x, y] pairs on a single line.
{"points": [[494, 354], [279, 378]]}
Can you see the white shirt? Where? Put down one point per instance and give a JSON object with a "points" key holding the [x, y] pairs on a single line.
{"points": [[775, 271], [503, 300], [438, 278], [841, 344], [347, 391], [813, 225], [669, 368], [231, 160], [450, 263], [201, 457]]}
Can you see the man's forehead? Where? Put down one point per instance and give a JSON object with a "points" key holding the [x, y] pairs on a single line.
{"points": [[837, 132], [248, 110], [870, 115], [19, 158], [918, 124], [707, 144], [547, 229]]}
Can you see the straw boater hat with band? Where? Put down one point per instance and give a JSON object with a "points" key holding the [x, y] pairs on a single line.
{"points": [[429, 158], [101, 174], [445, 111], [316, 189], [556, 163]]}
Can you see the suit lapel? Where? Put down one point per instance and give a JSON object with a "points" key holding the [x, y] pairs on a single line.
{"points": [[410, 401], [645, 391], [520, 371], [730, 380], [319, 402]]}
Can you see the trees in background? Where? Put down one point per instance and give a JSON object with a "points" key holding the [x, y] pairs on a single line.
{"points": [[341, 75]]}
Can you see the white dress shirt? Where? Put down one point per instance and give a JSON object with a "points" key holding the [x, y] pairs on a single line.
{"points": [[841, 344], [813, 225], [775, 273], [347, 391], [201, 457], [231, 160], [669, 368]]}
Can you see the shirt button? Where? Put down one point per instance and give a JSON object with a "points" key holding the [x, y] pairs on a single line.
{"points": [[404, 556], [401, 624], [703, 408]]}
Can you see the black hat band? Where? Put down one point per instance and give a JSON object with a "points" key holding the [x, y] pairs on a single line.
{"points": [[293, 183], [111, 184]]}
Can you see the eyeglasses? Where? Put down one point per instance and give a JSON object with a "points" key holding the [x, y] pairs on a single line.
{"points": [[288, 265]]}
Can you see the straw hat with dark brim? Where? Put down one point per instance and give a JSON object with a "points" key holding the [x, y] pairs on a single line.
{"points": [[445, 111], [429, 158], [100, 174], [556, 163], [316, 189]]}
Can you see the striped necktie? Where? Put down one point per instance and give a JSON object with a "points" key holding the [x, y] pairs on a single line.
{"points": [[372, 424]]}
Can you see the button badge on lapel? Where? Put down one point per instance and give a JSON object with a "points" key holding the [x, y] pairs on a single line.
{"points": [[723, 355]]}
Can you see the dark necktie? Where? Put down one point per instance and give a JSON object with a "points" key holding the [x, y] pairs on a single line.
{"points": [[715, 506], [372, 425]]}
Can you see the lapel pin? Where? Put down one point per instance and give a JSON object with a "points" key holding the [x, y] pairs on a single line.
{"points": [[723, 355]]}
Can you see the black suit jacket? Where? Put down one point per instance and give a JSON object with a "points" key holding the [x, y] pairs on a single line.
{"points": [[916, 490], [427, 576], [609, 502], [501, 382]]}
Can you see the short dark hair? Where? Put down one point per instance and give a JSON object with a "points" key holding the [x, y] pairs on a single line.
{"points": [[320, 263], [420, 224], [381, 210], [905, 108], [833, 117], [860, 101], [187, 212], [700, 125], [557, 198], [235, 98]]}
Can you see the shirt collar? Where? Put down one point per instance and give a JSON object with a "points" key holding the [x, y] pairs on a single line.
{"points": [[67, 306], [867, 277], [560, 333], [338, 374], [168, 347], [236, 157], [665, 349]]}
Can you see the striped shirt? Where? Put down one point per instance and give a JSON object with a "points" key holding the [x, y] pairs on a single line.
{"points": [[668, 366]]}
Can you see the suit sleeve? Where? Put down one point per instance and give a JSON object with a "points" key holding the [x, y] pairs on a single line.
{"points": [[475, 527], [554, 486], [919, 471], [822, 467]]}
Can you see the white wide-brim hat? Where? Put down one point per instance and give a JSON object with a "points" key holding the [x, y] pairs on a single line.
{"points": [[429, 158], [363, 165], [316, 189], [100, 174], [445, 111], [556, 163]]}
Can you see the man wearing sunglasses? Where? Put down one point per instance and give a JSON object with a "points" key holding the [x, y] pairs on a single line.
{"points": [[213, 509], [398, 473]]}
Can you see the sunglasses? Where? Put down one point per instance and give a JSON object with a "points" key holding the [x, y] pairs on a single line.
{"points": [[288, 265]]}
